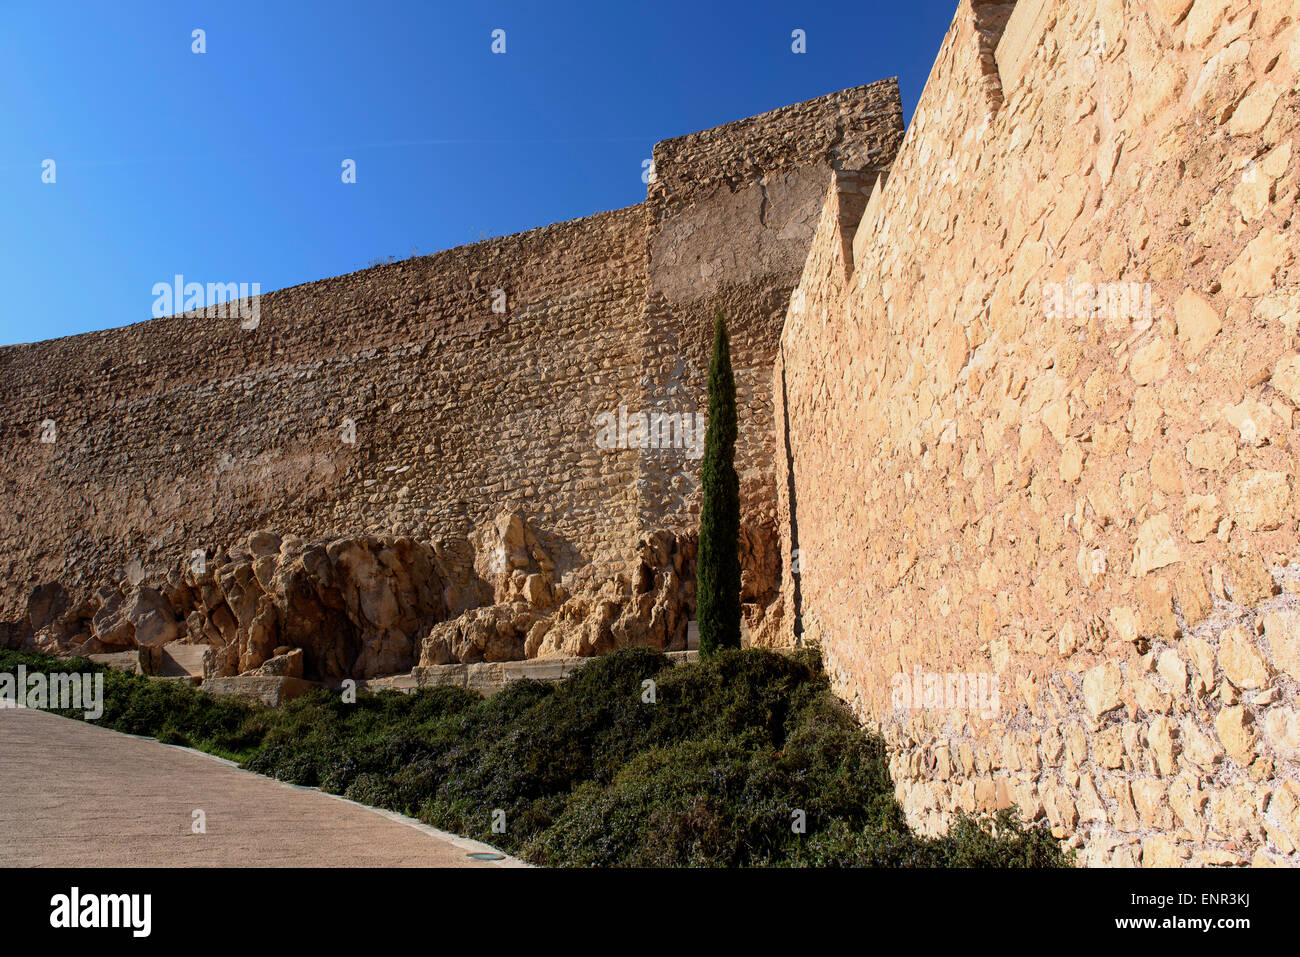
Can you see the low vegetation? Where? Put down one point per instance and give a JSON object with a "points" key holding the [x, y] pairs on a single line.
{"points": [[716, 770]]}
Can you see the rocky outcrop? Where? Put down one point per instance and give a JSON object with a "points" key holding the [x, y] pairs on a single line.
{"points": [[352, 605], [365, 606], [532, 616], [331, 609], [647, 605]]}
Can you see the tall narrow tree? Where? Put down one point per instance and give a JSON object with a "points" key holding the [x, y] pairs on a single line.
{"points": [[718, 570]]}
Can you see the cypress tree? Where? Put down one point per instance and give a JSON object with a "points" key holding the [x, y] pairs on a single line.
{"points": [[718, 567]]}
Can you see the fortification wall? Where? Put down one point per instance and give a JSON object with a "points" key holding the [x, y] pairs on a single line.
{"points": [[396, 401], [732, 213], [187, 432], [1095, 505]]}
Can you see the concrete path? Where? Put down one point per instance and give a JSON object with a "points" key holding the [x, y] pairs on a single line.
{"points": [[76, 795]]}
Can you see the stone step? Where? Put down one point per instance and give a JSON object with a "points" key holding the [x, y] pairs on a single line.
{"points": [[259, 689], [489, 677], [128, 661], [180, 659]]}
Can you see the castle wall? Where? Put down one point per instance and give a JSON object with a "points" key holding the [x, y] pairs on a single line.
{"points": [[185, 433], [732, 213], [1095, 505]]}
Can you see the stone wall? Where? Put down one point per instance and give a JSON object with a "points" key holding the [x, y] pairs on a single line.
{"points": [[185, 433], [994, 460], [732, 213], [414, 402]]}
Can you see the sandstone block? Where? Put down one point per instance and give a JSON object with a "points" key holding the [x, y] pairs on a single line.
{"points": [[1197, 320], [1211, 451], [1198, 747], [1282, 731], [1108, 749], [1259, 499], [1150, 363], [1201, 515], [1252, 272], [1282, 632], [1254, 111], [1248, 580], [1172, 669], [1241, 660], [1155, 546], [1204, 20], [1151, 799], [1286, 377], [1162, 738], [256, 689], [1237, 733], [1193, 597], [1150, 698], [1173, 11], [1283, 816], [1101, 687], [1188, 801]]}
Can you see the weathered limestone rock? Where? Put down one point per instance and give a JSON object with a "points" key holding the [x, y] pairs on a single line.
{"points": [[492, 633], [1282, 632], [1237, 734], [1155, 547], [648, 606], [1241, 660], [352, 605], [152, 618], [1101, 686], [287, 665]]}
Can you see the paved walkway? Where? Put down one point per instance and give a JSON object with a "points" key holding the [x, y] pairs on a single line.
{"points": [[76, 795]]}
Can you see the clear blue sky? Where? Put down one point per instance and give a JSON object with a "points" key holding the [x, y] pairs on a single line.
{"points": [[225, 166]]}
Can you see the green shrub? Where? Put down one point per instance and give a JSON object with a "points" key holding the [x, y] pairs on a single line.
{"points": [[587, 773]]}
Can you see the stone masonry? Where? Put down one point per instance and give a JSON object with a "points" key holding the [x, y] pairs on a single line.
{"points": [[1036, 402], [1017, 434], [409, 463]]}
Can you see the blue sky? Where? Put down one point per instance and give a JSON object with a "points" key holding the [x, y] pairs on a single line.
{"points": [[226, 166]]}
